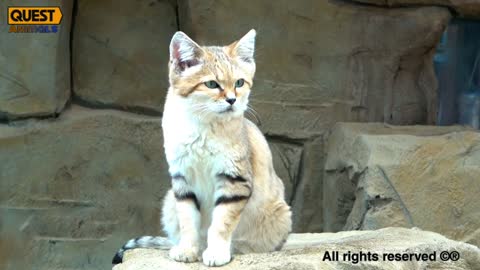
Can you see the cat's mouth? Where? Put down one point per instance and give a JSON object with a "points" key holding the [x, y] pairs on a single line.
{"points": [[227, 110]]}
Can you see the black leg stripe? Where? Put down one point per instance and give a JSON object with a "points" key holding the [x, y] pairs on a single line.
{"points": [[188, 196], [233, 178], [231, 199]]}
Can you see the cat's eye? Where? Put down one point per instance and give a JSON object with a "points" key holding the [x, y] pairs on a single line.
{"points": [[212, 84], [239, 83]]}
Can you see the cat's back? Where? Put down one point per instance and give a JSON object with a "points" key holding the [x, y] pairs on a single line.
{"points": [[258, 143]]}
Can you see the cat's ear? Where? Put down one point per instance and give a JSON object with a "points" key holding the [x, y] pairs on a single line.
{"points": [[245, 47], [184, 52]]}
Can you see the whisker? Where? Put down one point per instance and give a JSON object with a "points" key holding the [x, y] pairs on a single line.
{"points": [[255, 114]]}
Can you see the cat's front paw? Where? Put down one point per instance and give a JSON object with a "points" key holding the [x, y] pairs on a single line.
{"points": [[184, 254], [216, 256]]}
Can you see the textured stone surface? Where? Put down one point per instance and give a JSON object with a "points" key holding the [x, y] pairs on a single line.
{"points": [[300, 165], [73, 189], [286, 161], [307, 251], [382, 176], [307, 201], [320, 62], [34, 68], [463, 8], [120, 52]]}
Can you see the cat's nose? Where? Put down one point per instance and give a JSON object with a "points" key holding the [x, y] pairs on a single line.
{"points": [[231, 100]]}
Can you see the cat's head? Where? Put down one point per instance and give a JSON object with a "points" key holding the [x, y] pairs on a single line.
{"points": [[212, 81]]}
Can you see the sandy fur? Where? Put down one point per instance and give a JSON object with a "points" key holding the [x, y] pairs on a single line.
{"points": [[202, 145], [225, 193]]}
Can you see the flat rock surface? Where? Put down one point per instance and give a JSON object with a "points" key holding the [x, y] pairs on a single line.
{"points": [[308, 251]]}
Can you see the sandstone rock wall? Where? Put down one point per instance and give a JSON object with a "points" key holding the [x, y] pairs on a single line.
{"points": [[120, 53], [378, 176], [83, 182], [92, 178], [34, 68], [463, 8], [324, 61]]}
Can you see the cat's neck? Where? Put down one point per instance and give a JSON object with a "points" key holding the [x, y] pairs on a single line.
{"points": [[219, 124]]}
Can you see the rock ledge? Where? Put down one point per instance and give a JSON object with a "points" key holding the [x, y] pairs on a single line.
{"points": [[307, 251]]}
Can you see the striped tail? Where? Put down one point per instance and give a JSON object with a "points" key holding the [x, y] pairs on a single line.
{"points": [[142, 242]]}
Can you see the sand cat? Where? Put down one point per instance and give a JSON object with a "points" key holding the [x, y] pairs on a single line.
{"points": [[225, 195]]}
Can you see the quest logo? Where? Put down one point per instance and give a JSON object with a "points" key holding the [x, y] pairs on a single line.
{"points": [[34, 19]]}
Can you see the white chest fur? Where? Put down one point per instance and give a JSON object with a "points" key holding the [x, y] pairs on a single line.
{"points": [[200, 150], [196, 151]]}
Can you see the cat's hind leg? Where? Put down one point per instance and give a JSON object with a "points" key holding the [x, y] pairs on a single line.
{"points": [[263, 228]]}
